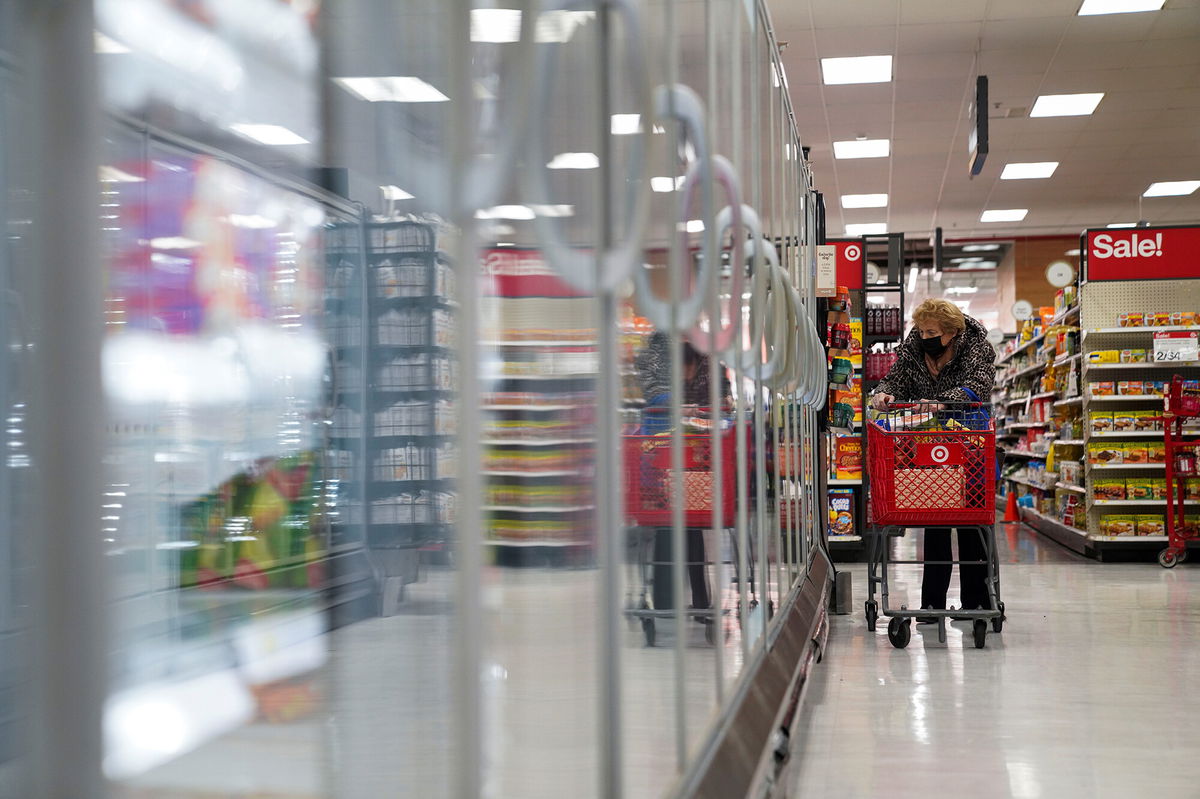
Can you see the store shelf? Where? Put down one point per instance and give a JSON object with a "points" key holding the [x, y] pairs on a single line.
{"points": [[1064, 316], [546, 473], [558, 376], [1165, 365], [844, 539], [537, 343], [1069, 401], [1027, 425], [538, 508], [1045, 395], [1027, 345], [1025, 482], [1020, 453], [1128, 434], [843, 481], [1160, 503], [546, 408], [499, 542], [1137, 466], [1017, 401], [1127, 398], [534, 442], [1067, 359], [1131, 539], [1144, 329], [1070, 487], [1070, 442], [1029, 370], [1070, 537]]}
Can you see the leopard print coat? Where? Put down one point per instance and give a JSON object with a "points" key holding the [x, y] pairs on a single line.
{"points": [[973, 366]]}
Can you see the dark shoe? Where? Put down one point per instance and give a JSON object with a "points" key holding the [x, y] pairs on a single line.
{"points": [[927, 619]]}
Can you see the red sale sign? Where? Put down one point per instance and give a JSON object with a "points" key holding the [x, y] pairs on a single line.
{"points": [[940, 455], [851, 256], [1154, 253]]}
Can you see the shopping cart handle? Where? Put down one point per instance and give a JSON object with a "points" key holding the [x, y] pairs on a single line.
{"points": [[951, 404]]}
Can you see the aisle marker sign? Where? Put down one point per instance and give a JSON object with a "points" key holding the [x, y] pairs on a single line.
{"points": [[1142, 253], [826, 270], [1176, 346], [849, 262]]}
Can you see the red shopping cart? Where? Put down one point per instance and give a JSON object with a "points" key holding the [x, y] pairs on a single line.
{"points": [[650, 498], [1182, 404], [931, 465]]}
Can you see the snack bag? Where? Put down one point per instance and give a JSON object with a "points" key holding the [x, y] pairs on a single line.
{"points": [[1101, 421]]}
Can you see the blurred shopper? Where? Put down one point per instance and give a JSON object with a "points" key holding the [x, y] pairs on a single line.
{"points": [[945, 357], [653, 366]]}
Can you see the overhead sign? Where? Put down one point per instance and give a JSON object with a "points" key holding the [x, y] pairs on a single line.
{"points": [[1176, 346], [977, 137], [1157, 253], [850, 258], [826, 270]]}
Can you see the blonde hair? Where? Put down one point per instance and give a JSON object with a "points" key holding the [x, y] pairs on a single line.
{"points": [[945, 313]]}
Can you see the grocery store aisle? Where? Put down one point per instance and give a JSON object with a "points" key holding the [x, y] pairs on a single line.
{"points": [[1088, 692]]}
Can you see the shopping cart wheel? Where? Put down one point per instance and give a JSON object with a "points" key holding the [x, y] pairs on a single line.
{"points": [[872, 614], [1167, 559], [998, 623], [1182, 556], [648, 631], [980, 633], [899, 632]]}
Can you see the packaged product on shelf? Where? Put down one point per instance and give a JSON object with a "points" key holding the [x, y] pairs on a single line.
{"points": [[1101, 421], [1151, 524], [1156, 452], [1144, 420], [1139, 488], [1104, 356], [1184, 318], [1160, 319], [1124, 421], [1189, 525], [1118, 524], [1070, 471], [1158, 487], [1157, 388], [841, 512], [848, 457], [1136, 452], [856, 343], [1108, 489], [1131, 388], [1104, 388], [1131, 320], [1133, 356], [1101, 453], [1191, 488]]}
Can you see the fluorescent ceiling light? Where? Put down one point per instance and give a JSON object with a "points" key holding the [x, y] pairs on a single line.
{"points": [[862, 148], [980, 247], [496, 25], [1122, 224], [857, 69], [1004, 215], [1029, 171], [560, 26], [391, 192], [106, 45], [665, 184], [1172, 188], [1066, 105], [912, 280], [554, 210], [864, 200], [867, 229], [252, 221], [962, 290], [394, 89], [695, 226], [505, 212], [274, 135], [174, 243], [1093, 7], [984, 265], [965, 260], [574, 161], [505, 244], [629, 124], [1072, 252], [110, 174]]}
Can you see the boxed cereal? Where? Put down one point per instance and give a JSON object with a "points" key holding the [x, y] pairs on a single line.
{"points": [[1139, 488], [1104, 388], [847, 452], [1118, 524], [1156, 452], [1108, 489], [841, 511], [1151, 524], [1130, 388], [1136, 452], [1123, 421], [856, 342], [1101, 421], [1100, 452], [1104, 356]]}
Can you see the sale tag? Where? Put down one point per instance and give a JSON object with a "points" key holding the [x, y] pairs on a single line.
{"points": [[940, 455], [1176, 346], [826, 270]]}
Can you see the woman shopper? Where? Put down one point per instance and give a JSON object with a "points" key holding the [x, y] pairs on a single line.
{"points": [[945, 357]]}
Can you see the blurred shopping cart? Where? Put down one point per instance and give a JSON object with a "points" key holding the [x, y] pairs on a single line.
{"points": [[931, 465], [649, 503], [1182, 452]]}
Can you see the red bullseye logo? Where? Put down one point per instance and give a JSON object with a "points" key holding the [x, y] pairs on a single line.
{"points": [[853, 252], [940, 455]]}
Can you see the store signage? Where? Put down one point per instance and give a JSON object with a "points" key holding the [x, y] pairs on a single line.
{"points": [[1176, 346], [826, 270], [849, 263], [940, 455], [1143, 253], [522, 273]]}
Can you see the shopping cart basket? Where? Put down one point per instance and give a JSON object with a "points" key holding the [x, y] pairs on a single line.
{"points": [[931, 465], [1182, 404], [649, 494]]}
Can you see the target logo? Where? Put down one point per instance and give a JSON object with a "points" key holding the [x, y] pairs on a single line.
{"points": [[940, 455], [853, 252]]}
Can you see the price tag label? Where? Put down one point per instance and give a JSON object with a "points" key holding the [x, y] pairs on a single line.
{"points": [[1176, 346], [826, 270]]}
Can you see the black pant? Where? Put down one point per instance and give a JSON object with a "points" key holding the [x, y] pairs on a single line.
{"points": [[972, 580], [664, 596]]}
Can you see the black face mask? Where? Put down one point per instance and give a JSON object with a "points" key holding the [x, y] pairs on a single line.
{"points": [[933, 347]]}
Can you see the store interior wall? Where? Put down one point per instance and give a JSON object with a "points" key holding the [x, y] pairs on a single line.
{"points": [[1021, 274]]}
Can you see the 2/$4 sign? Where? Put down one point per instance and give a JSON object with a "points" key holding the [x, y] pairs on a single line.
{"points": [[1158, 253]]}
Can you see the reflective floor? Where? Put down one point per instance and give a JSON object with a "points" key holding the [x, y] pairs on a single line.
{"points": [[1089, 691]]}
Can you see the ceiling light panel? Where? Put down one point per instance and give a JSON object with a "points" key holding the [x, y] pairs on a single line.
{"points": [[1029, 171], [574, 161], [1122, 224], [1172, 188], [393, 89], [392, 192], [1004, 215], [274, 135], [980, 247], [867, 229], [862, 148], [1066, 105], [665, 184], [857, 69], [864, 200], [496, 25], [1094, 7]]}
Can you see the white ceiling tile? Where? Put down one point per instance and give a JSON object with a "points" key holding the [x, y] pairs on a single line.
{"points": [[851, 15], [921, 11], [928, 111], [1104, 28], [860, 94], [1112, 55], [950, 88], [1175, 23], [860, 116], [949, 37], [932, 65], [1007, 34], [1031, 9], [1015, 61], [1169, 52], [860, 40], [801, 71]]}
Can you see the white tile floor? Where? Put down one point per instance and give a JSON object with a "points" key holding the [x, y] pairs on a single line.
{"points": [[1091, 691]]}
